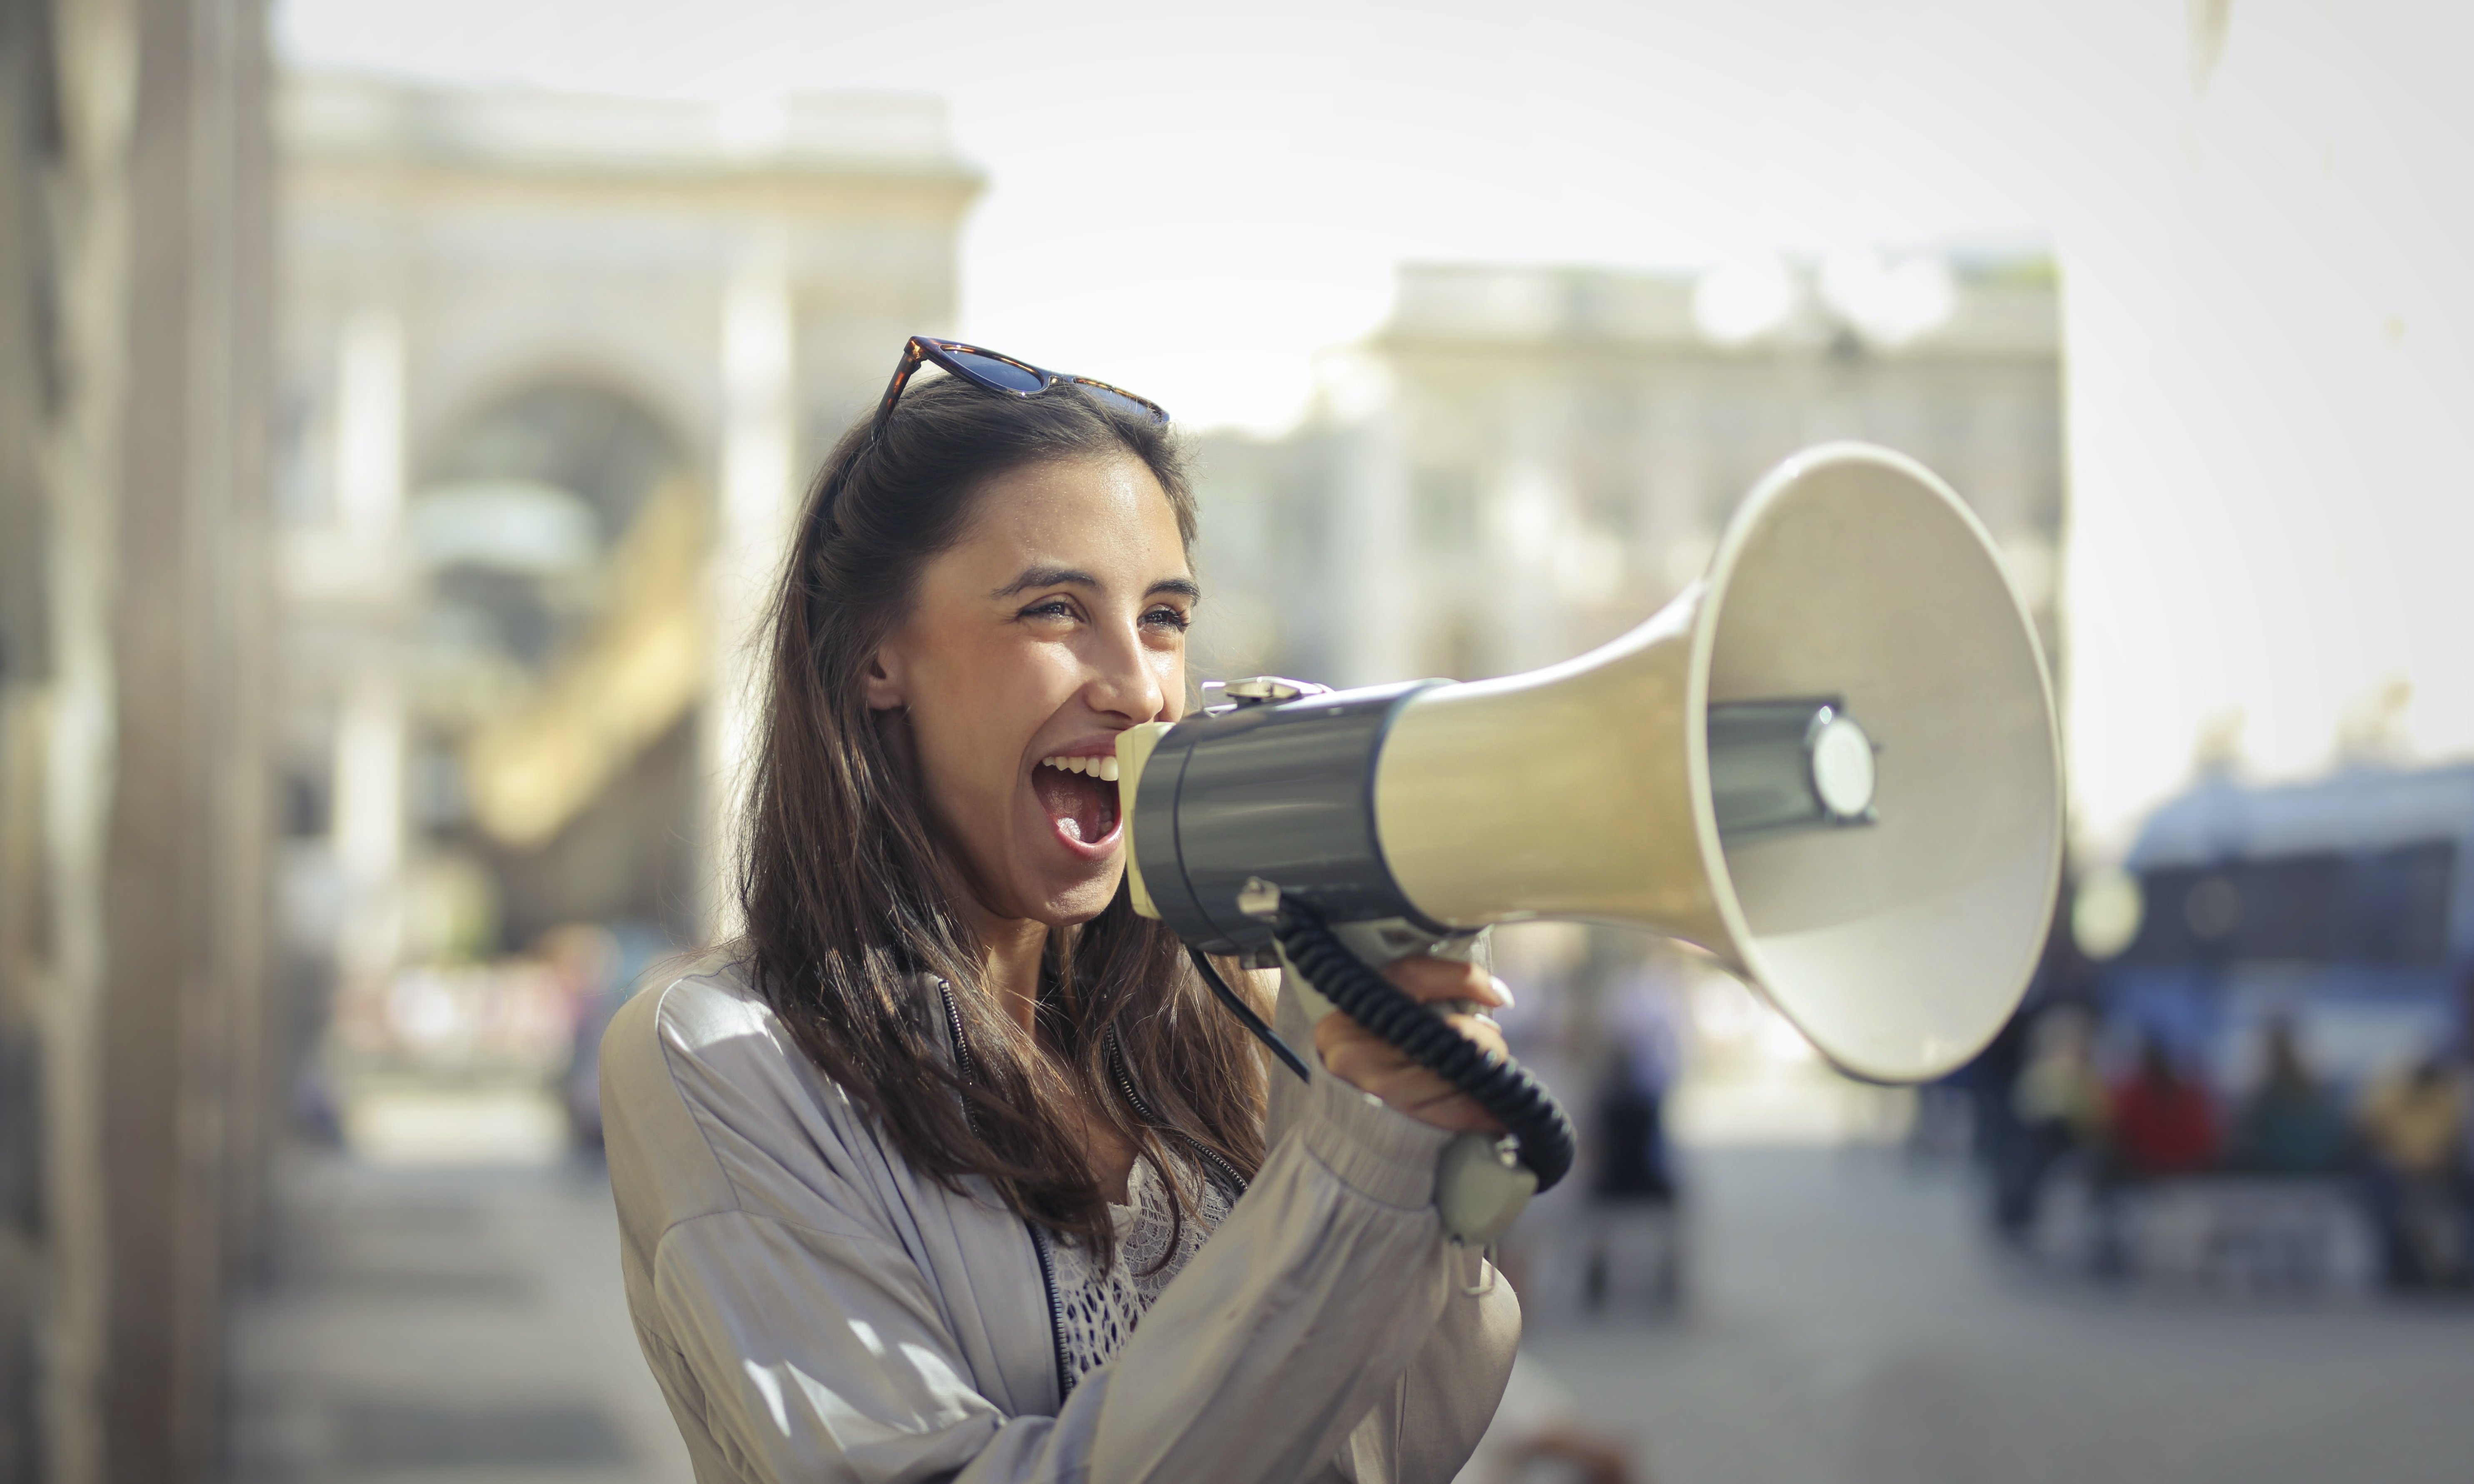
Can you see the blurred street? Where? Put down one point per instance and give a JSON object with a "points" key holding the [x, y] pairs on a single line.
{"points": [[1846, 1318], [430, 1324]]}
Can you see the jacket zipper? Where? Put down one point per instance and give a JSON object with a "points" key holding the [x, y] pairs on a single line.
{"points": [[962, 1050], [1038, 1234], [1055, 1311], [1224, 1174]]}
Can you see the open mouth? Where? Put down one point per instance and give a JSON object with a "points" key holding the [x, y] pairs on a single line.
{"points": [[1079, 795]]}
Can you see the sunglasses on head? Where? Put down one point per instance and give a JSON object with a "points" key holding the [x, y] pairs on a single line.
{"points": [[1002, 374]]}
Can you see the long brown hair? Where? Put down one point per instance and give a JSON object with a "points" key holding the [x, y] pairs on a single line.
{"points": [[846, 887]]}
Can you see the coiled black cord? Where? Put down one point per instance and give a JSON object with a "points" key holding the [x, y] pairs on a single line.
{"points": [[1495, 1082]]}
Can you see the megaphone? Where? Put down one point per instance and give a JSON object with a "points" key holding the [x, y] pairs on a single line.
{"points": [[1830, 764]]}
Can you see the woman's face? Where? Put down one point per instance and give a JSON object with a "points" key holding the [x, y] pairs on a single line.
{"points": [[1057, 622]]}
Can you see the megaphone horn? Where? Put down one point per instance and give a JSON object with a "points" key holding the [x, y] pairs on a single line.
{"points": [[1831, 763]]}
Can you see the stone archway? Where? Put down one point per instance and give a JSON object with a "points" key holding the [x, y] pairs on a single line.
{"points": [[556, 665]]}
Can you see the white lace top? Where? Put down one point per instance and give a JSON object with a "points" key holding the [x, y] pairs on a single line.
{"points": [[1101, 1305]]}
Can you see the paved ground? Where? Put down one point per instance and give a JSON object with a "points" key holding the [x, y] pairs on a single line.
{"points": [[1844, 1325], [1848, 1325], [445, 1325]]}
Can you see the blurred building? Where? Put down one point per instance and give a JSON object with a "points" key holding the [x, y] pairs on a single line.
{"points": [[386, 615], [552, 372], [135, 221], [1526, 462]]}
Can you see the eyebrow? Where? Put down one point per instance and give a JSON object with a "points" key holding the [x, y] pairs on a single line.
{"points": [[1072, 577]]}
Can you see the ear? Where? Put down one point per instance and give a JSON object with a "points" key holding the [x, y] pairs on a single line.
{"points": [[885, 691]]}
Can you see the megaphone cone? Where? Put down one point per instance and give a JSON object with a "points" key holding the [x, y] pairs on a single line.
{"points": [[1712, 775], [1585, 791]]}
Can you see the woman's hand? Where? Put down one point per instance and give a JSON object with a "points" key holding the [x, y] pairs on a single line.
{"points": [[1364, 1061]]}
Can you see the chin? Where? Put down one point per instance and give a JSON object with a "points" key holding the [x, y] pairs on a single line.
{"points": [[1071, 905]]}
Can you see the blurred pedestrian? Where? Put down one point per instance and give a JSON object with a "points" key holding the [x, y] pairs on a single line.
{"points": [[2412, 1124], [2163, 1120], [2059, 1105], [2289, 1124], [2162, 1123], [1632, 1249], [597, 964]]}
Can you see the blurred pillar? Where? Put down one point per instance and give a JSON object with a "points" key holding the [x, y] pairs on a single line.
{"points": [[1373, 526], [369, 825], [747, 550], [369, 428], [132, 804], [29, 138], [368, 781], [1526, 519]]}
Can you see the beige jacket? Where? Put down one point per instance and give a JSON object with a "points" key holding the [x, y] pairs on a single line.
{"points": [[814, 1311]]}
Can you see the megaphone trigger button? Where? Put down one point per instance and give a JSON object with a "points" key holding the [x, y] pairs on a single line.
{"points": [[1259, 898]]}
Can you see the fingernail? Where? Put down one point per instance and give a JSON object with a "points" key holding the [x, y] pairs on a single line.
{"points": [[1502, 992]]}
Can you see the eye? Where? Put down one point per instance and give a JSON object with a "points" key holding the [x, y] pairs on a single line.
{"points": [[1052, 608], [1168, 619]]}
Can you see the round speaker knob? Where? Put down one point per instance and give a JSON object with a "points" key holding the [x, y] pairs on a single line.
{"points": [[1842, 768]]}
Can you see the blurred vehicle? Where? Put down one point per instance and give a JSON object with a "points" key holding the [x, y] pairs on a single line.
{"points": [[2339, 904], [2298, 949]]}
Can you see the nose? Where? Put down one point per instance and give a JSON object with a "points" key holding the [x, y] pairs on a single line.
{"points": [[1126, 679]]}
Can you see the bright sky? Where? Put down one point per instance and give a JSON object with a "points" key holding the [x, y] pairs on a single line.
{"points": [[2268, 291], [2268, 261], [1191, 200]]}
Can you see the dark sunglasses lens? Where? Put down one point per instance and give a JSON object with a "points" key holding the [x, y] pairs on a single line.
{"points": [[1124, 403], [996, 372]]}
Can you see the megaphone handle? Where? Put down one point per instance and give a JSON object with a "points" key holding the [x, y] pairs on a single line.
{"points": [[1495, 1082]]}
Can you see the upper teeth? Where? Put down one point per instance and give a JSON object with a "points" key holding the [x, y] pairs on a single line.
{"points": [[1105, 769]]}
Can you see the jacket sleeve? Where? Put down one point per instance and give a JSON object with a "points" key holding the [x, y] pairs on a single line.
{"points": [[1428, 1423], [1310, 1316]]}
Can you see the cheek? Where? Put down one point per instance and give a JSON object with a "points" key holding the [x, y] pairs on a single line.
{"points": [[957, 748], [1021, 693], [1171, 669], [978, 713]]}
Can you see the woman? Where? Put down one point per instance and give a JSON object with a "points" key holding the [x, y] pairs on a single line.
{"points": [[915, 1178]]}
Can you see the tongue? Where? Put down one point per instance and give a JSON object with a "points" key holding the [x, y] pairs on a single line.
{"points": [[1083, 807]]}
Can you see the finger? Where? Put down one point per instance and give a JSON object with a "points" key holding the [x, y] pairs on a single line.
{"points": [[1427, 979], [1369, 1071], [1372, 1064], [1419, 1094], [1483, 1030], [1455, 1115], [1339, 1035]]}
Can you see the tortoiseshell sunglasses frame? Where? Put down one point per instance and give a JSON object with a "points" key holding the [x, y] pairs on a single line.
{"points": [[943, 352]]}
